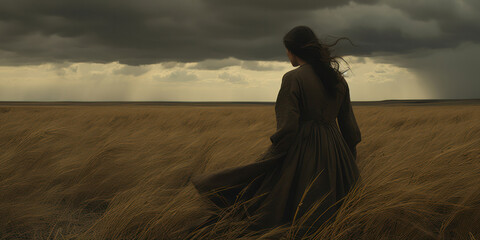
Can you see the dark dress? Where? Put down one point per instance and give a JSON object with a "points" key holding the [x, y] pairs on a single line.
{"points": [[307, 145]]}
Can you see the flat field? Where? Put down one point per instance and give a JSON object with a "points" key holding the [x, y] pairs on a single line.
{"points": [[122, 171]]}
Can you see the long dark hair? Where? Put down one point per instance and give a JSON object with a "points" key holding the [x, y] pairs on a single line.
{"points": [[303, 42]]}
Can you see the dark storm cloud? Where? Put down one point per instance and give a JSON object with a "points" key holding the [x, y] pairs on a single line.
{"points": [[448, 73], [144, 32]]}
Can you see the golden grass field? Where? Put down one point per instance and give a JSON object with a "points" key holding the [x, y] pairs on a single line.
{"points": [[122, 171]]}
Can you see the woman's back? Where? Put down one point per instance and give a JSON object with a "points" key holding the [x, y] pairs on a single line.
{"points": [[303, 97], [315, 103]]}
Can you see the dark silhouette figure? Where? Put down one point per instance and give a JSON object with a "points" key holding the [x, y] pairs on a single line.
{"points": [[309, 151]]}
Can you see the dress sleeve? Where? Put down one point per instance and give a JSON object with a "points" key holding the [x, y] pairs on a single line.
{"points": [[348, 124], [287, 115]]}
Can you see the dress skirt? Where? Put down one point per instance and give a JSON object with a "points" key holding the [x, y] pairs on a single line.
{"points": [[274, 188]]}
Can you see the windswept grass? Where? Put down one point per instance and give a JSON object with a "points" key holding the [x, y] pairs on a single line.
{"points": [[122, 172]]}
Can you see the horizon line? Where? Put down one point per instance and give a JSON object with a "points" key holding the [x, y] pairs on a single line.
{"points": [[406, 99], [414, 101]]}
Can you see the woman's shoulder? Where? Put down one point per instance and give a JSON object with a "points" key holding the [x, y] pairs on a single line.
{"points": [[342, 84], [290, 76], [290, 73]]}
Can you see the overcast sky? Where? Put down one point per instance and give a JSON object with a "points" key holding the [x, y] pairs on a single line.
{"points": [[222, 50]]}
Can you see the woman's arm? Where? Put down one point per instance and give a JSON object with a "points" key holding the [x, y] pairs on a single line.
{"points": [[287, 115], [348, 124]]}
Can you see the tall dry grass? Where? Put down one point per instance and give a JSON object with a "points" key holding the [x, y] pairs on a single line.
{"points": [[122, 172]]}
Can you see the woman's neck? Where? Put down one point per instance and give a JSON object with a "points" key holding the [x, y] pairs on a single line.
{"points": [[301, 61]]}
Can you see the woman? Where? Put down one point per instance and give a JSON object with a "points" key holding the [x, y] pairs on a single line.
{"points": [[311, 158]]}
